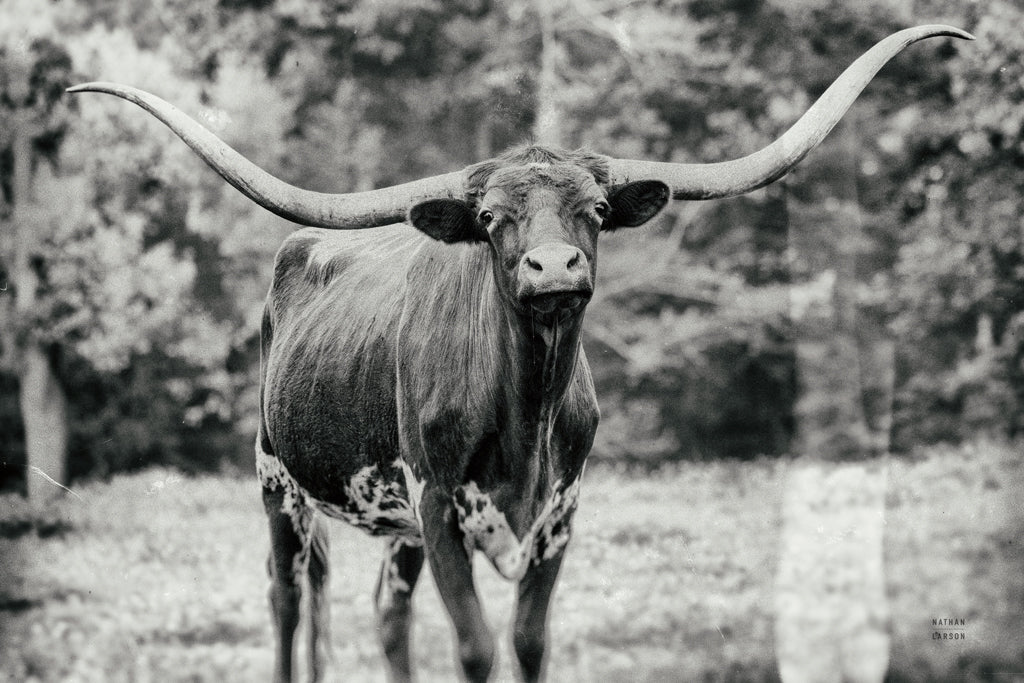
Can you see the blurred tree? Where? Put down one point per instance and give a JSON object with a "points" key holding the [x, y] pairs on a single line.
{"points": [[831, 606], [173, 265], [426, 84], [960, 275], [146, 328], [33, 74]]}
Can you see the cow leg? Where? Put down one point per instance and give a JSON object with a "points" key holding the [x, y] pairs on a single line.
{"points": [[319, 601], [453, 574], [529, 636], [393, 601], [290, 521]]}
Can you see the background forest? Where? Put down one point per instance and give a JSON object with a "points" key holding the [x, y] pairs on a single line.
{"points": [[132, 278]]}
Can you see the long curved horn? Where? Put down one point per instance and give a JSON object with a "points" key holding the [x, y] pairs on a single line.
{"points": [[344, 211], [730, 178]]}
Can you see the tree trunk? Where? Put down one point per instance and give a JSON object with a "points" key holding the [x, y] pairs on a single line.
{"points": [[831, 609], [43, 403], [44, 412], [484, 148], [547, 124]]}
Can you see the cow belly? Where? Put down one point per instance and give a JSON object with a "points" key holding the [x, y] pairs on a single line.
{"points": [[368, 500], [387, 506], [375, 505]]}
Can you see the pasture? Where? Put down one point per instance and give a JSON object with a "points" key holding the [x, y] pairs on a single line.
{"points": [[669, 577]]}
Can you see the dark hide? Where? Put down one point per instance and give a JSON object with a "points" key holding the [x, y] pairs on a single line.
{"points": [[329, 390], [470, 382]]}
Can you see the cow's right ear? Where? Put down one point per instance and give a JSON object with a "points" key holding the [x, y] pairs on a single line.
{"points": [[447, 220]]}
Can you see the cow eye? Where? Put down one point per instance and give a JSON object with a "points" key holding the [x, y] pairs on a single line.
{"points": [[602, 209], [485, 217]]}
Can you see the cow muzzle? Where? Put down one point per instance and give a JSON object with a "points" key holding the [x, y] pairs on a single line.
{"points": [[555, 278]]}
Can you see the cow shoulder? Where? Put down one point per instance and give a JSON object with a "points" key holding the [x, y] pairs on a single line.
{"points": [[307, 260], [313, 260], [449, 352]]}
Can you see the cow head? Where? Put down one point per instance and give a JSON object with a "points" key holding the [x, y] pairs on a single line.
{"points": [[540, 211]]}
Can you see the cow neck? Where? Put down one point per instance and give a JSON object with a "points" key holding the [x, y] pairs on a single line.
{"points": [[540, 354], [538, 386], [547, 352], [554, 347]]}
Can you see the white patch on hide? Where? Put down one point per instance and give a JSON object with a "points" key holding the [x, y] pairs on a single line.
{"points": [[486, 528], [547, 334], [274, 477], [376, 505], [372, 503], [553, 531], [318, 257], [391, 582], [270, 471], [414, 488]]}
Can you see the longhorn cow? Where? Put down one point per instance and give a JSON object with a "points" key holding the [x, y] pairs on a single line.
{"points": [[426, 382]]}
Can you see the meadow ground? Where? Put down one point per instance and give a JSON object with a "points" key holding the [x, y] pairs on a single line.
{"points": [[160, 577]]}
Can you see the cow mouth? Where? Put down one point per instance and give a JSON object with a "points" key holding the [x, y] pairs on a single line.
{"points": [[552, 306]]}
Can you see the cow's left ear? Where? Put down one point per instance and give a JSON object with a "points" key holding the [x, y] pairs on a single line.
{"points": [[448, 220], [636, 203]]}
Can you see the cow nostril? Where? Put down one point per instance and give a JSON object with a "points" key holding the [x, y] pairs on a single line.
{"points": [[534, 264], [574, 261]]}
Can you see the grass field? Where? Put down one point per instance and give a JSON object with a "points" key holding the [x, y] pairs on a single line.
{"points": [[158, 577]]}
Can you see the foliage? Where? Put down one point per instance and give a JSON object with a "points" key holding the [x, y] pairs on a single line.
{"points": [[149, 322], [961, 277]]}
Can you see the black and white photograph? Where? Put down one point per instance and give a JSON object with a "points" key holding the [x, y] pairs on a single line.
{"points": [[511, 340]]}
